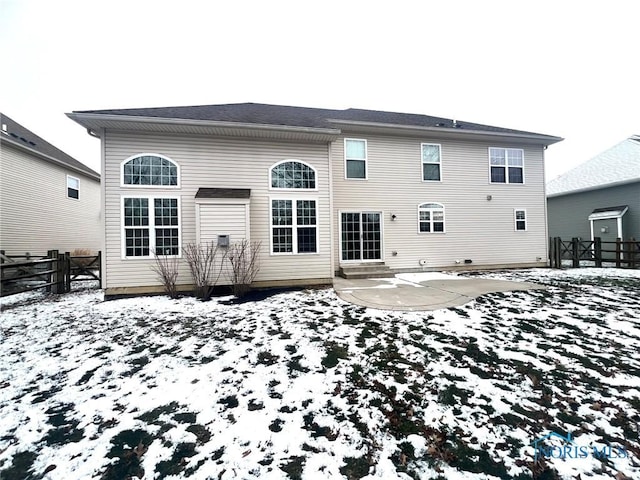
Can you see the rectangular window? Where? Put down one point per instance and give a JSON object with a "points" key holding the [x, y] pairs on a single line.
{"points": [[151, 225], [294, 230], [431, 161], [507, 165], [431, 218], [521, 219], [73, 187], [355, 157]]}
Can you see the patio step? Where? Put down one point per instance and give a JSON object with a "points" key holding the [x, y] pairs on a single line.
{"points": [[365, 270]]}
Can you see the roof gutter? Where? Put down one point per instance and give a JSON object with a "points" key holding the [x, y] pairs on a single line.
{"points": [[84, 119], [538, 138]]}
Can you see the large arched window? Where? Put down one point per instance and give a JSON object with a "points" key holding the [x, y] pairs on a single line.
{"points": [[150, 169], [293, 174], [431, 218]]}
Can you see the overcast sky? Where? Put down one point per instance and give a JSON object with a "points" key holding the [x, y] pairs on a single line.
{"points": [[564, 68]]}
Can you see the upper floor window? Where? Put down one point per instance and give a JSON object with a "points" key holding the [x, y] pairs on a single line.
{"points": [[73, 187], [507, 165], [431, 218], [431, 162], [355, 158], [293, 174], [150, 170], [520, 216]]}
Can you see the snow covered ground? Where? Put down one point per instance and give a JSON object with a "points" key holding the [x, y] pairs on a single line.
{"points": [[303, 385]]}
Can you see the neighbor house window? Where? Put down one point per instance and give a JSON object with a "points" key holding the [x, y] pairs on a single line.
{"points": [[150, 170], [73, 187], [151, 226], [520, 219], [293, 174], [431, 218], [431, 162], [294, 226], [507, 165], [355, 157]]}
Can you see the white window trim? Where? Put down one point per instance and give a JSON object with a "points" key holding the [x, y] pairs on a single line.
{"points": [[507, 182], [422, 162], [152, 237], [280, 189], [293, 199], [155, 187], [67, 189], [444, 218], [366, 159], [515, 219]]}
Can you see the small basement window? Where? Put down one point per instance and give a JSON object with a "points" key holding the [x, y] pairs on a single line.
{"points": [[73, 187]]}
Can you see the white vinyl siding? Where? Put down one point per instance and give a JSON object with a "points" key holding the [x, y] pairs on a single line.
{"points": [[212, 162], [36, 214], [223, 219], [476, 228]]}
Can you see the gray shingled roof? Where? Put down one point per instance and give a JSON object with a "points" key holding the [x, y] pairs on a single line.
{"points": [[23, 137], [617, 165], [257, 113]]}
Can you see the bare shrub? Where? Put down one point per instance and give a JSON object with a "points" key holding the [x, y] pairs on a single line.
{"points": [[205, 262], [243, 265], [166, 267]]}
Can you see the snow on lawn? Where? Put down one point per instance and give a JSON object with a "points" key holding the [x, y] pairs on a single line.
{"points": [[300, 384]]}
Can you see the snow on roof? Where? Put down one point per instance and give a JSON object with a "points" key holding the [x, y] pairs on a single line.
{"points": [[619, 164]]}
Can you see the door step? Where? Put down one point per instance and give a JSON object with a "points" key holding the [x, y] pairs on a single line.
{"points": [[365, 270]]}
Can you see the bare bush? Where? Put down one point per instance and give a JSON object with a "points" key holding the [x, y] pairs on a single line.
{"points": [[205, 262], [166, 267], [243, 265]]}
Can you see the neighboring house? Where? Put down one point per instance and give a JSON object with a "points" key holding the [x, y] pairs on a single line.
{"points": [[322, 190], [48, 200], [599, 198]]}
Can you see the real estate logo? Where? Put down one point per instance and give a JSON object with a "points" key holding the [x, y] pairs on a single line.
{"points": [[569, 449]]}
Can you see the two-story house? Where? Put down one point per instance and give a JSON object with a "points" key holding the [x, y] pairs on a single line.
{"points": [[48, 199], [322, 190]]}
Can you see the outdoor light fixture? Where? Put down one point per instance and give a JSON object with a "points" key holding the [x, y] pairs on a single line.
{"points": [[393, 216], [489, 197]]}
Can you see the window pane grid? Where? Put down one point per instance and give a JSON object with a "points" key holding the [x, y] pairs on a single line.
{"points": [[150, 170], [137, 242], [138, 221], [166, 211], [293, 175], [507, 165], [294, 230], [283, 240], [431, 218], [167, 241], [306, 212]]}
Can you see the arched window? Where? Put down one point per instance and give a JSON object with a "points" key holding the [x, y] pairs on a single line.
{"points": [[293, 174], [431, 218], [150, 169]]}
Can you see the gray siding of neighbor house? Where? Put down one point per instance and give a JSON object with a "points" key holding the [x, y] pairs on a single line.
{"points": [[569, 214], [478, 229], [214, 162], [35, 213]]}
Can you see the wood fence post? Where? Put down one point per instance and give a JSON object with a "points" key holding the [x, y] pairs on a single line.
{"points": [[54, 276], [1, 256], [67, 271], [575, 252], [558, 249], [632, 253], [618, 252], [597, 251], [551, 253]]}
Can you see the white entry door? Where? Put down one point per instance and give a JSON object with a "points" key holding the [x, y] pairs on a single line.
{"points": [[360, 237]]}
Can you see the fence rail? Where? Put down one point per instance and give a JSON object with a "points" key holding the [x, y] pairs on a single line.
{"points": [[624, 254], [55, 272]]}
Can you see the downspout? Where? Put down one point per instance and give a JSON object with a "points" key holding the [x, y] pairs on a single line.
{"points": [[546, 215], [331, 216]]}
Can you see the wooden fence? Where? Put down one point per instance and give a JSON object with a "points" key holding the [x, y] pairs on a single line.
{"points": [[621, 254], [54, 272]]}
